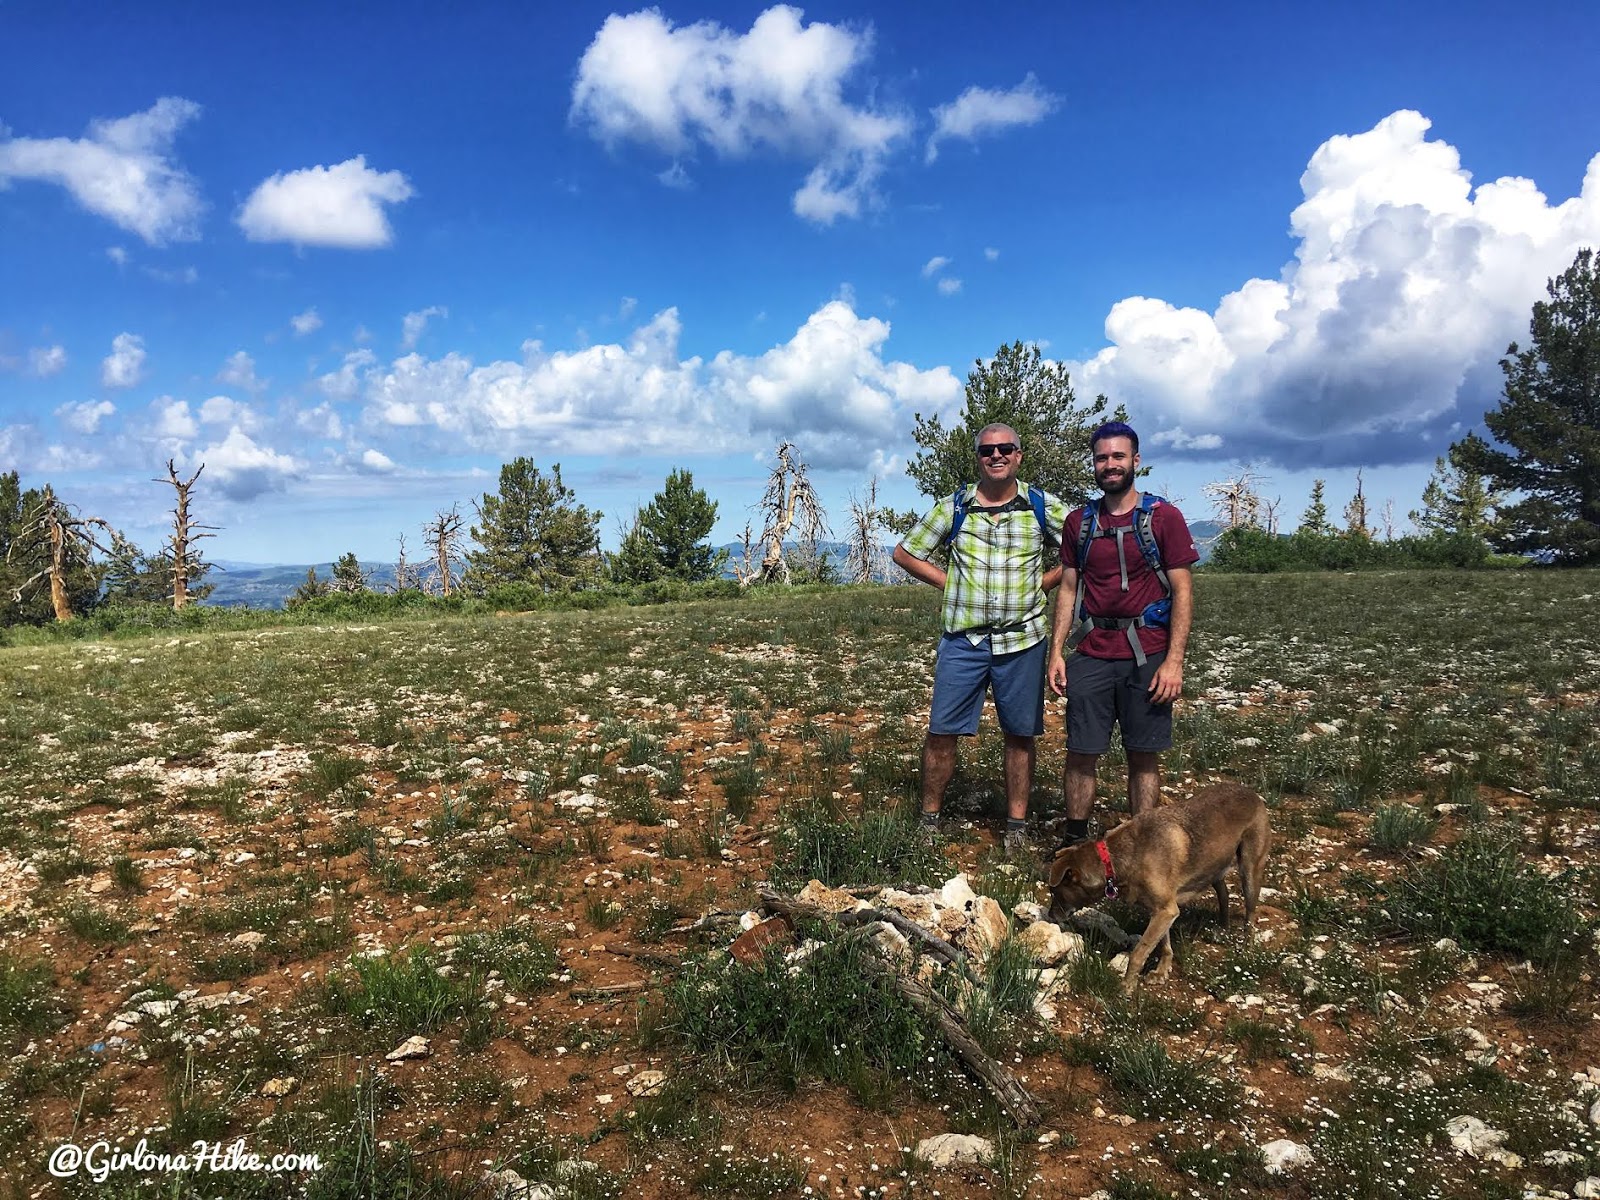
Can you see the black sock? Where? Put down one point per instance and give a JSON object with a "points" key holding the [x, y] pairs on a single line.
{"points": [[1078, 831], [1016, 824]]}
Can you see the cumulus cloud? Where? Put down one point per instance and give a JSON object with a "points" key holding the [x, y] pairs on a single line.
{"points": [[243, 469], [225, 410], [949, 285], [1382, 338], [978, 112], [45, 361], [934, 265], [344, 383], [123, 170], [341, 206], [240, 372], [415, 323], [306, 322], [124, 366], [781, 87], [117, 255], [375, 462], [829, 387], [85, 417], [171, 420]]}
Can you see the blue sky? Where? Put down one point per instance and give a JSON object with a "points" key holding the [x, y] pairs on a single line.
{"points": [[354, 257]]}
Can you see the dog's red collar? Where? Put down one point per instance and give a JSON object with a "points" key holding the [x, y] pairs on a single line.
{"points": [[1111, 876]]}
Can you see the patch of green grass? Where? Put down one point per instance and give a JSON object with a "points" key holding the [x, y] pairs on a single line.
{"points": [[741, 782], [1153, 1082], [518, 953], [400, 994], [777, 1024], [1481, 893], [725, 1172], [1398, 826], [29, 1000], [879, 846], [94, 924]]}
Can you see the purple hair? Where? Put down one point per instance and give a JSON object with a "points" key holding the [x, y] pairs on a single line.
{"points": [[1113, 429]]}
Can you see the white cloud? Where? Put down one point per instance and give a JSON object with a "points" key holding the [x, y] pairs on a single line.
{"points": [[244, 469], [124, 366], [122, 171], [240, 372], [85, 417], [376, 462], [779, 87], [981, 111], [338, 206], [171, 420], [934, 265], [990, 253], [322, 421], [676, 177], [949, 285], [1176, 439], [344, 383], [225, 410], [117, 255], [45, 361], [829, 387], [1381, 340], [306, 322], [416, 323]]}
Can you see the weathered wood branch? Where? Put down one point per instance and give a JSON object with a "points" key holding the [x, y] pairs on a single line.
{"points": [[931, 942]]}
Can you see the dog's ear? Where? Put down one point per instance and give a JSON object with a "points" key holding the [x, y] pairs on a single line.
{"points": [[1061, 869]]}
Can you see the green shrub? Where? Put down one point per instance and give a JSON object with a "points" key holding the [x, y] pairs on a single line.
{"points": [[879, 846], [1483, 895]]}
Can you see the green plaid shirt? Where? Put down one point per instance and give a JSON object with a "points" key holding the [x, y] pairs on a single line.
{"points": [[997, 564]]}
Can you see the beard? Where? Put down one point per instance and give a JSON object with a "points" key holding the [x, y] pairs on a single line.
{"points": [[1115, 487]]}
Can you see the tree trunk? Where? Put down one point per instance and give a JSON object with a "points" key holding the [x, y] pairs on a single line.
{"points": [[58, 572]]}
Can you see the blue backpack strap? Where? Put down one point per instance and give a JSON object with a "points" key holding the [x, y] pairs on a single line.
{"points": [[1036, 501], [1145, 534], [958, 501]]}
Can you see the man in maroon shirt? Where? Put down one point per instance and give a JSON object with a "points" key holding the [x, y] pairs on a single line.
{"points": [[1127, 667]]}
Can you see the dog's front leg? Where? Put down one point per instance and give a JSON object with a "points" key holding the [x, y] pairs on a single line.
{"points": [[1155, 933]]}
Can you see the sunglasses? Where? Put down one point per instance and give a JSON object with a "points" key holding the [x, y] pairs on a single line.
{"points": [[1002, 449]]}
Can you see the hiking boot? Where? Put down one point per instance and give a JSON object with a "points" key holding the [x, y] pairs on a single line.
{"points": [[928, 828], [1016, 844]]}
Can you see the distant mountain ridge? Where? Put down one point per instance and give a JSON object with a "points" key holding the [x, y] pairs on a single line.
{"points": [[268, 585]]}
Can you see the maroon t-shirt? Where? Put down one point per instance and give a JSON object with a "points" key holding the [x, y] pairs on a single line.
{"points": [[1103, 595]]}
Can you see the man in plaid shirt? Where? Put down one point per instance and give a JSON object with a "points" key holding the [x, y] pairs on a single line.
{"points": [[1003, 559]]}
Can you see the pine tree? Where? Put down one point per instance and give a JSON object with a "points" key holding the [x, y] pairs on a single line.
{"points": [[312, 589], [348, 577], [1456, 500], [676, 523], [1549, 422], [1315, 519], [636, 559], [531, 531]]}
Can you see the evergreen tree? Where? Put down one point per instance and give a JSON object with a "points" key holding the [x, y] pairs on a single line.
{"points": [[1456, 500], [130, 576], [1020, 389], [676, 523], [1549, 422], [1315, 519], [348, 577], [636, 559], [312, 589], [531, 531]]}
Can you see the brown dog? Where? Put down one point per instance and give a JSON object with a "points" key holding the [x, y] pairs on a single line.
{"points": [[1165, 855]]}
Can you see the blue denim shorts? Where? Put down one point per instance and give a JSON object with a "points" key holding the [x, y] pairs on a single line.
{"points": [[965, 672]]}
